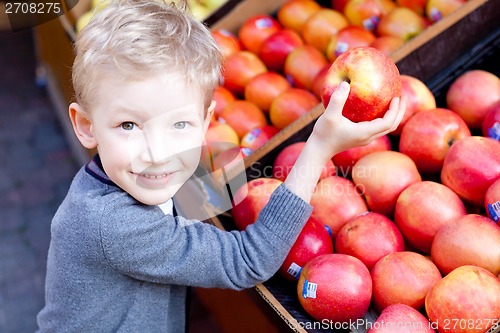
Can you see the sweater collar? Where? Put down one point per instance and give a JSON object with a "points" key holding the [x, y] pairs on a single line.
{"points": [[95, 169]]}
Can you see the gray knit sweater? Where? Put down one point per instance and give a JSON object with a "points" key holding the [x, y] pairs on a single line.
{"points": [[116, 265]]}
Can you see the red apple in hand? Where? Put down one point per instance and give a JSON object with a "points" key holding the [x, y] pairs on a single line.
{"points": [[335, 201], [286, 158], [471, 166], [472, 94], [345, 160], [469, 240], [256, 30], [403, 277], [469, 294], [313, 240], [382, 176], [275, 48], [335, 287], [491, 122], [492, 201], [374, 81], [422, 209], [369, 237], [427, 137], [401, 318]]}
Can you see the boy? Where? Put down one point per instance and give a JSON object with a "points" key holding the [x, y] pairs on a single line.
{"points": [[120, 260]]}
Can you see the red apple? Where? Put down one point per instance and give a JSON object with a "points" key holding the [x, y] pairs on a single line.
{"points": [[335, 201], [382, 176], [364, 13], [258, 136], [401, 318], [472, 94], [252, 198], [369, 236], [348, 38], [374, 80], [418, 6], [303, 64], [239, 68], [471, 166], [470, 240], [243, 116], [222, 97], [227, 161], [262, 89], [422, 209], [290, 105], [427, 137], [418, 98], [286, 159], [294, 14], [345, 160], [403, 277], [227, 41], [321, 26], [338, 5], [492, 201], [387, 44], [276, 48], [435, 10], [335, 287], [467, 300], [491, 122], [401, 22], [221, 137], [313, 240], [255, 30]]}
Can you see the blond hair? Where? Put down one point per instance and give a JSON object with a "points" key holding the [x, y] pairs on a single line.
{"points": [[137, 38]]}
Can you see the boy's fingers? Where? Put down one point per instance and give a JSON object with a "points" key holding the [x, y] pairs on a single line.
{"points": [[339, 97]]}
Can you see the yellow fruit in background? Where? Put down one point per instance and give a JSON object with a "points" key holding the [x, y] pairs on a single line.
{"points": [[84, 20], [97, 5]]}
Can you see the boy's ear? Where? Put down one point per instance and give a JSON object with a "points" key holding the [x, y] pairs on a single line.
{"points": [[82, 126], [210, 113]]}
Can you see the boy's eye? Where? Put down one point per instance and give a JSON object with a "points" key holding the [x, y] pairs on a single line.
{"points": [[128, 125], [180, 125]]}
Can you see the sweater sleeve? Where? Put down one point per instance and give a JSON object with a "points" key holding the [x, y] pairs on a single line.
{"points": [[141, 242]]}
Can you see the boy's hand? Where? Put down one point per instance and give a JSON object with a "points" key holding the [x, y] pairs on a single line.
{"points": [[334, 133]]}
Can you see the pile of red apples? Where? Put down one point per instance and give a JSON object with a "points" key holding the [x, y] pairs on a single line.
{"points": [[407, 226], [274, 64]]}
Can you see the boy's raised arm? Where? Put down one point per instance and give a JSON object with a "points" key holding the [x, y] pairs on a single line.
{"points": [[334, 133]]}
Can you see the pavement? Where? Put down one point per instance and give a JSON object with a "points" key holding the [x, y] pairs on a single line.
{"points": [[36, 168]]}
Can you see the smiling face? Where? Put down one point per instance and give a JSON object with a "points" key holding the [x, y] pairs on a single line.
{"points": [[148, 133]]}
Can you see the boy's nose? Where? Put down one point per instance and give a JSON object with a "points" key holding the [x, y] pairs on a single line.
{"points": [[158, 147]]}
